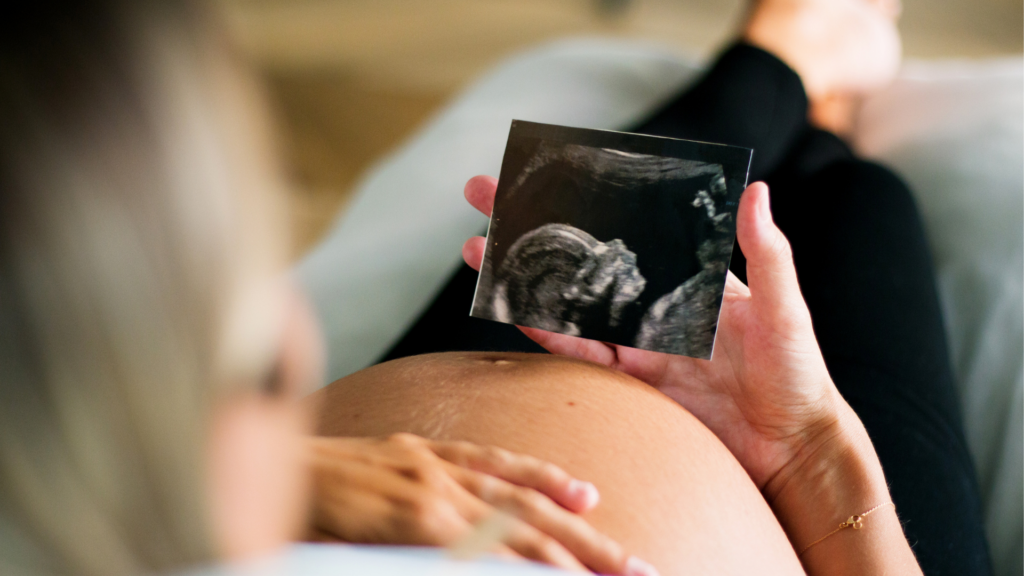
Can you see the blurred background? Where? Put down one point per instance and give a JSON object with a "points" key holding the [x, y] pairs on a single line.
{"points": [[351, 79]]}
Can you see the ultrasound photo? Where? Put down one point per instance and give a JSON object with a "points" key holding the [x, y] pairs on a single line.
{"points": [[611, 236]]}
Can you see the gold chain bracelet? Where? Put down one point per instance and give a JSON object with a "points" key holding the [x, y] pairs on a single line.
{"points": [[856, 522]]}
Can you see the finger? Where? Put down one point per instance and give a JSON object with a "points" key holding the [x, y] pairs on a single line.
{"points": [[473, 251], [573, 346], [498, 529], [521, 470], [491, 530], [597, 551], [480, 192], [771, 275], [504, 551], [533, 544]]}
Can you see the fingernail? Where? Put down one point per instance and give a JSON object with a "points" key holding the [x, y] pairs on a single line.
{"points": [[586, 492], [637, 567]]}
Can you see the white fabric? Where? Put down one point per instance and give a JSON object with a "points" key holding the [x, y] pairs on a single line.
{"points": [[953, 130], [373, 560]]}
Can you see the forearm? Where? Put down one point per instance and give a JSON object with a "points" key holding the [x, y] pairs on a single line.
{"points": [[838, 478]]}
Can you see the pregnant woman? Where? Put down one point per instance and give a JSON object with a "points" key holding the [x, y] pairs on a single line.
{"points": [[151, 357]]}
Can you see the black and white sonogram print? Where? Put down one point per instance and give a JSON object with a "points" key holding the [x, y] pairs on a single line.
{"points": [[610, 236]]}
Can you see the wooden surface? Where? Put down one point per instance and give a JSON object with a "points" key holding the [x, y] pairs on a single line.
{"points": [[350, 79]]}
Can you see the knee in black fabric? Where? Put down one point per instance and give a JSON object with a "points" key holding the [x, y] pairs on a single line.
{"points": [[812, 152], [870, 191], [865, 270], [851, 217]]}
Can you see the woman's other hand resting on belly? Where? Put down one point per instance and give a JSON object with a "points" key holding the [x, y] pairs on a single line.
{"points": [[768, 396], [405, 489]]}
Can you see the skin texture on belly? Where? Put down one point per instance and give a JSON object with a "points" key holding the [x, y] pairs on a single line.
{"points": [[671, 493]]}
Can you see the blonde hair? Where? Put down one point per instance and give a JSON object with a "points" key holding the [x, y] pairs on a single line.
{"points": [[140, 235]]}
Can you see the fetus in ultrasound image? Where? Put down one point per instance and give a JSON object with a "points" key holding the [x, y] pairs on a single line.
{"points": [[560, 278], [614, 237]]}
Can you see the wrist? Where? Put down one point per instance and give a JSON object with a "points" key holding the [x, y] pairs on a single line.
{"points": [[836, 474]]}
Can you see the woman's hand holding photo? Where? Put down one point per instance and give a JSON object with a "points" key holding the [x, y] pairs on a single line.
{"points": [[766, 392], [767, 395]]}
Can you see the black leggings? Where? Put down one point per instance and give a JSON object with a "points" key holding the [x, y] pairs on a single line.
{"points": [[866, 273]]}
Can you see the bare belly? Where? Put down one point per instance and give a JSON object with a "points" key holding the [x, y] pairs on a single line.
{"points": [[671, 492]]}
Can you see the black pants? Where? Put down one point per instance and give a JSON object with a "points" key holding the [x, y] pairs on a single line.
{"points": [[866, 273]]}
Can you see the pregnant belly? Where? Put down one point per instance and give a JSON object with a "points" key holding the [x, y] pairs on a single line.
{"points": [[671, 492]]}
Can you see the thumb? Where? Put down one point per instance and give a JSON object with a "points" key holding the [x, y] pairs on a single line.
{"points": [[771, 275]]}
